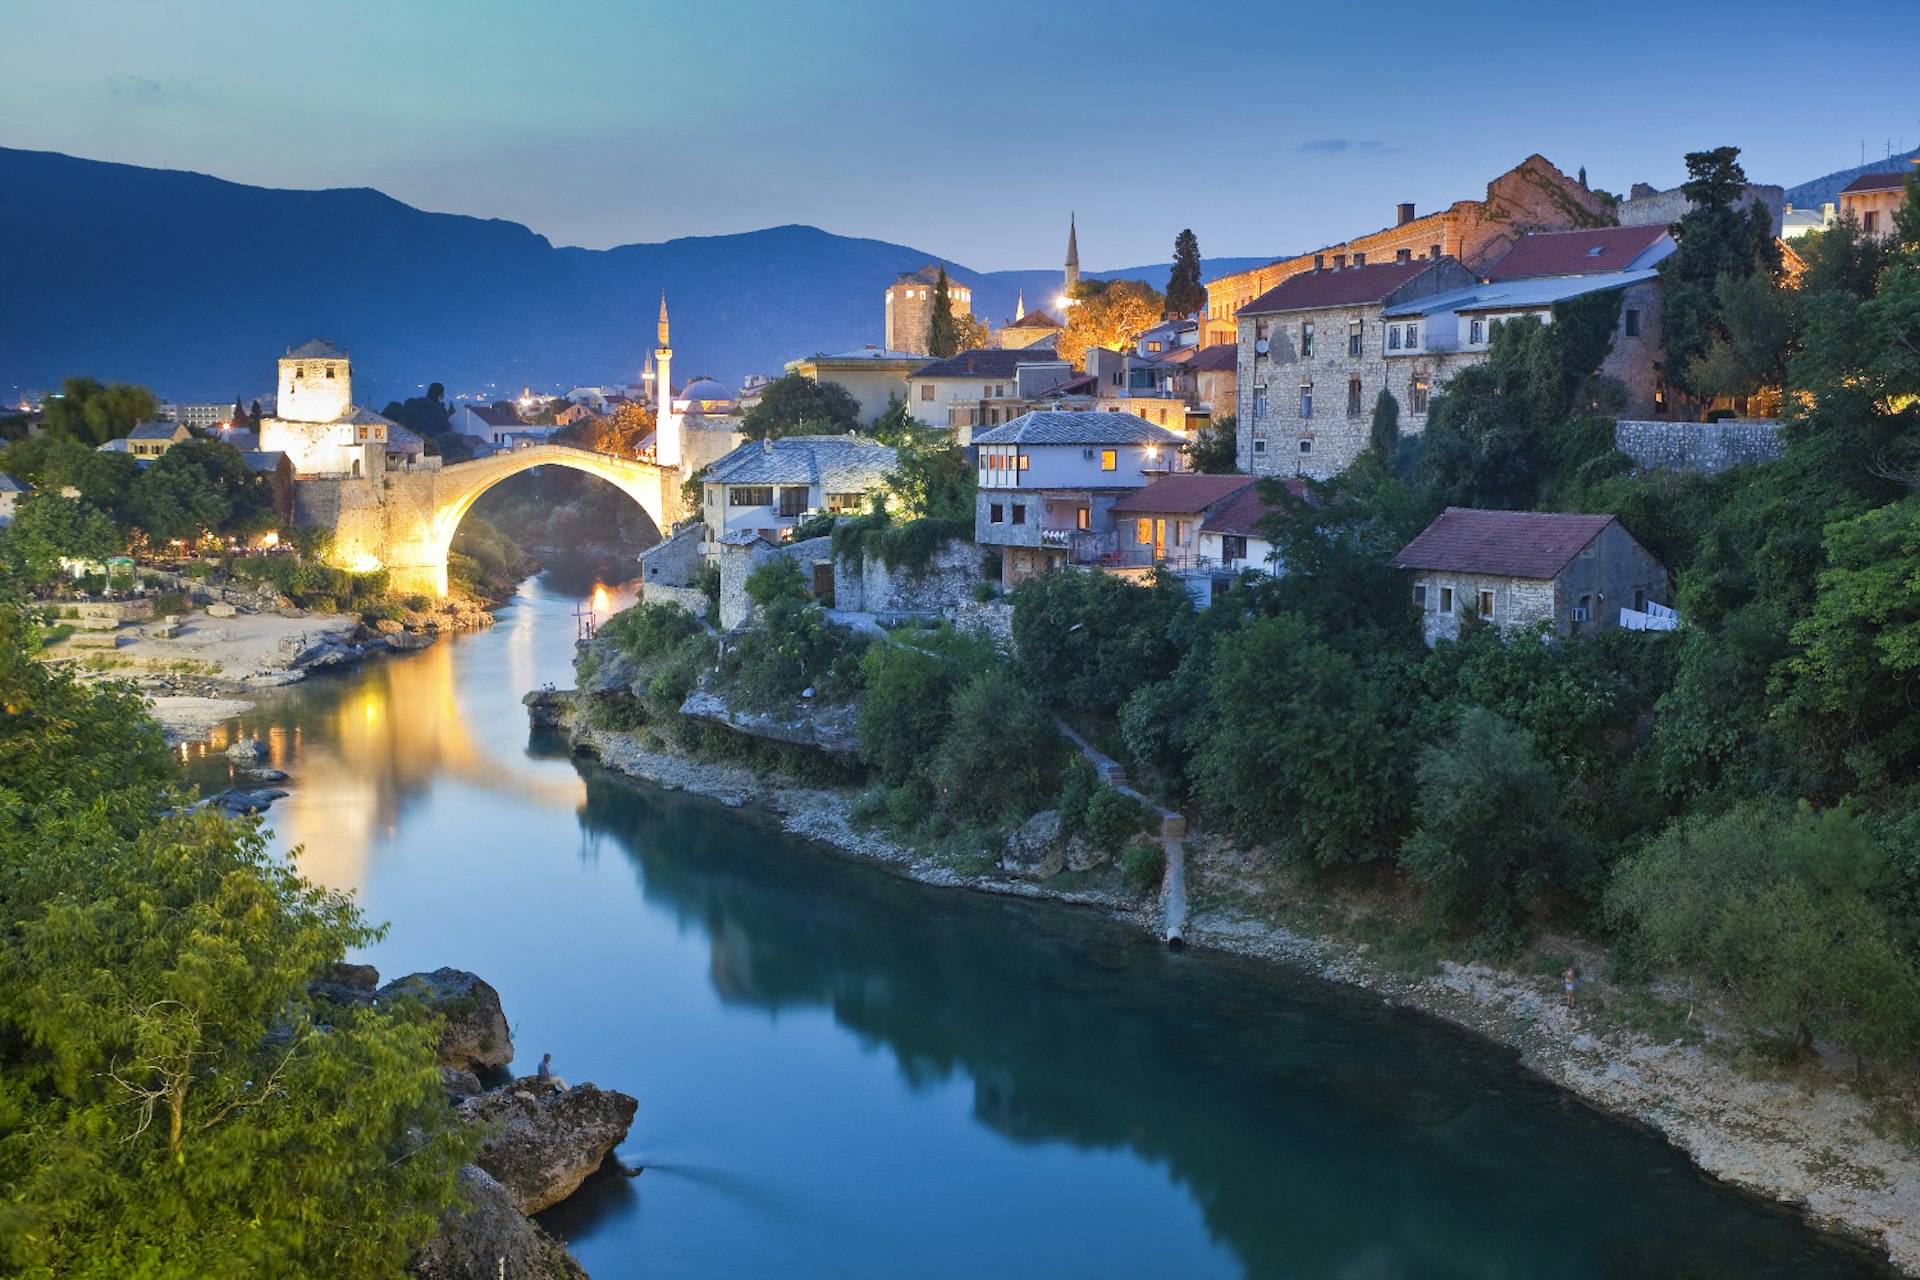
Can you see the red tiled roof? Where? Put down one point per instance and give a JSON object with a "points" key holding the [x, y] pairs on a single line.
{"points": [[1186, 494], [1243, 515], [1221, 357], [1035, 320], [1877, 182], [1504, 544], [1570, 253], [1347, 287]]}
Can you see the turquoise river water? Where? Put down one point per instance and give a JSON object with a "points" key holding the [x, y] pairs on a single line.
{"points": [[844, 1074]]}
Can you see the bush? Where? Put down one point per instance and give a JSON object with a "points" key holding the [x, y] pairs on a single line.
{"points": [[984, 591], [1113, 818], [418, 603], [1000, 753], [171, 602], [869, 806], [1078, 783], [908, 805], [647, 630], [905, 710], [199, 570], [1142, 865]]}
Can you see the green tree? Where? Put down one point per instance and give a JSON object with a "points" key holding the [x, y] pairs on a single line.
{"points": [[48, 528], [1215, 449], [1779, 912], [1715, 239], [1336, 542], [797, 405], [905, 710], [1186, 296], [1490, 838], [1111, 314], [1088, 640], [1000, 756], [943, 336], [94, 413], [56, 463], [1384, 435]]}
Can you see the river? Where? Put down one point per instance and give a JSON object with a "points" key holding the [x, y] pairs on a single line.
{"points": [[844, 1074]]}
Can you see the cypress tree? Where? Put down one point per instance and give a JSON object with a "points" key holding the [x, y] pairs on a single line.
{"points": [[943, 335], [1385, 436], [1185, 294]]}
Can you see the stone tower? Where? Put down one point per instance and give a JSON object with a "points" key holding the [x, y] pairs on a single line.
{"points": [[316, 383], [1073, 256], [666, 439], [910, 308]]}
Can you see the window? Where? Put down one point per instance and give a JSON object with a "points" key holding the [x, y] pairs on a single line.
{"points": [[1633, 323], [1393, 337], [1233, 546], [1019, 513], [299, 372], [1107, 460], [1306, 446], [1306, 399], [844, 504], [1000, 390], [1082, 518], [1153, 346], [1259, 446], [329, 371], [754, 495], [363, 433], [1584, 610], [1260, 330], [1359, 259], [1417, 393], [793, 500], [1260, 401], [1403, 255], [926, 391], [1180, 528], [1870, 222], [1640, 599], [996, 513], [1476, 332], [1143, 531], [1420, 596], [1353, 396], [1486, 605], [993, 417], [1024, 459], [1659, 395], [1306, 340], [1413, 336], [1433, 251], [1353, 337], [1446, 599]]}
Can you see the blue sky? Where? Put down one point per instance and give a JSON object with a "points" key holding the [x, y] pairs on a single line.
{"points": [[967, 130]]}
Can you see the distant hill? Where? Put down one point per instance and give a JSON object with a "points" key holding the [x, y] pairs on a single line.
{"points": [[1814, 193], [193, 285]]}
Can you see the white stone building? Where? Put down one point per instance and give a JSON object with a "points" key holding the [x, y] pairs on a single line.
{"points": [[765, 487], [317, 425]]}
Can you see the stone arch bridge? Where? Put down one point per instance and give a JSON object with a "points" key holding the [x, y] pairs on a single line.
{"points": [[404, 521]]}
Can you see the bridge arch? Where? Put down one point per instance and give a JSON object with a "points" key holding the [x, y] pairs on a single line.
{"points": [[421, 524]]}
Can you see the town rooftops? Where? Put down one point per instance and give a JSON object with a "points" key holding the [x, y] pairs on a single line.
{"points": [[493, 417], [118, 445], [154, 431], [243, 439], [355, 416], [1182, 494], [861, 355], [401, 440], [1036, 320], [1346, 287], [1892, 180], [270, 460], [1516, 295], [929, 274], [1244, 512], [9, 485], [838, 464], [987, 362], [1051, 426], [1502, 544], [1221, 357], [315, 349], [1575, 253]]}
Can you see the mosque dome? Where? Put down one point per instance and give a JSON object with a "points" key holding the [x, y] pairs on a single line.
{"points": [[705, 389]]}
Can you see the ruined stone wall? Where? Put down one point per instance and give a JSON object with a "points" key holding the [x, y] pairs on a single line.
{"points": [[738, 562], [1709, 447], [869, 586], [1645, 207]]}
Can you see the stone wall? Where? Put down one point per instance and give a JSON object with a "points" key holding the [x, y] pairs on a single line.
{"points": [[1645, 207], [674, 562], [871, 587], [737, 562], [692, 599], [1710, 447]]}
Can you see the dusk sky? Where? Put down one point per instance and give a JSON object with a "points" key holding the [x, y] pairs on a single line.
{"points": [[967, 130]]}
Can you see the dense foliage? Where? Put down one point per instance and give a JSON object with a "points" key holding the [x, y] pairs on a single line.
{"points": [[797, 405]]}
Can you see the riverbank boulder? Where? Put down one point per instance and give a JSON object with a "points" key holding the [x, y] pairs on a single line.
{"points": [[476, 1034], [546, 1141], [548, 708], [238, 801], [247, 750], [346, 984], [408, 641], [1033, 851], [490, 1239], [1083, 854]]}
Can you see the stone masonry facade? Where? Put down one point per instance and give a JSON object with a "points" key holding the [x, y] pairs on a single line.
{"points": [[1709, 447]]}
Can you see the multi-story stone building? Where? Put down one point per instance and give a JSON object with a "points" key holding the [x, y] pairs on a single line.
{"points": [[316, 423], [872, 375], [983, 388], [1313, 359], [1532, 196], [910, 307]]}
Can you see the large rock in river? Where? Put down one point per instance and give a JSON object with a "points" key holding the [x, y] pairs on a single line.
{"points": [[1033, 851], [546, 1141], [492, 1238], [476, 1034]]}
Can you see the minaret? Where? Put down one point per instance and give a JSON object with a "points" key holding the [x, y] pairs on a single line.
{"points": [[666, 439], [1020, 306], [1073, 256]]}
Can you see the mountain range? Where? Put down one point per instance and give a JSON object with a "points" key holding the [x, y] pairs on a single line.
{"points": [[1811, 195], [193, 286]]}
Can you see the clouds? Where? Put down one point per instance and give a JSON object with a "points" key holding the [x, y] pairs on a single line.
{"points": [[137, 87], [1370, 147]]}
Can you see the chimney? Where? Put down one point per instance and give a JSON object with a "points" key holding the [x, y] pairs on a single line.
{"points": [[1406, 215], [1359, 259], [1319, 262], [766, 445], [1339, 261]]}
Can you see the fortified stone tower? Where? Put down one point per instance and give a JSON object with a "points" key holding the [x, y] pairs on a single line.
{"points": [[910, 308], [316, 383], [666, 428]]}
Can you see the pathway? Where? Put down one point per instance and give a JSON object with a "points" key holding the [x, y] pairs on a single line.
{"points": [[1173, 832]]}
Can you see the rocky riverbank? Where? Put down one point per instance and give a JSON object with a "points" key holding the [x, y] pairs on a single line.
{"points": [[1815, 1141]]}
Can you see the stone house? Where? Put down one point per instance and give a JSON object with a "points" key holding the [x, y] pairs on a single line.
{"points": [[874, 376], [983, 388], [277, 468], [495, 426], [1872, 199], [1213, 370], [1312, 359], [1032, 329], [766, 487], [1530, 197], [1049, 479], [1519, 569], [149, 440], [1160, 524], [1232, 540]]}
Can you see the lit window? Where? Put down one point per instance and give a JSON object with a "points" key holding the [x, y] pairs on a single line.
{"points": [[1143, 531], [1417, 393], [1082, 518], [1107, 460], [1024, 459]]}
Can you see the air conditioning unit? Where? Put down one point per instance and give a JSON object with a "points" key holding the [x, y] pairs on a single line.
{"points": [[1260, 347]]}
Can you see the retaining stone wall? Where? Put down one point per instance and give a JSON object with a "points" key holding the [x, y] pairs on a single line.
{"points": [[871, 587], [1710, 447]]}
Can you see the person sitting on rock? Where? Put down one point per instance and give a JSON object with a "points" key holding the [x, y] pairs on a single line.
{"points": [[546, 1074]]}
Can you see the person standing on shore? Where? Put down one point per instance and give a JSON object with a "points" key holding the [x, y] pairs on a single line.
{"points": [[1569, 979], [560, 1086]]}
